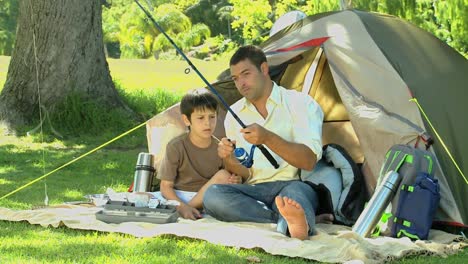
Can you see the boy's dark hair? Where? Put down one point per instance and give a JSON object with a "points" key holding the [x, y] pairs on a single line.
{"points": [[198, 99], [253, 53]]}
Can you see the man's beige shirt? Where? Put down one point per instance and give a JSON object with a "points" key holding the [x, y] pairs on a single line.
{"points": [[294, 116]]}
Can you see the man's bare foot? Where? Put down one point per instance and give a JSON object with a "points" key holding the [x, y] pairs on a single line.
{"points": [[324, 219], [294, 215]]}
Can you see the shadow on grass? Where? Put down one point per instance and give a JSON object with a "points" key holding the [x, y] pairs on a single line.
{"points": [[85, 126], [108, 167]]}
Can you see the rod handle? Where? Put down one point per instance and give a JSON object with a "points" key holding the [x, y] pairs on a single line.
{"points": [[267, 155]]}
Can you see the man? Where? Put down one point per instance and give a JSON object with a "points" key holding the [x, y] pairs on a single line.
{"points": [[289, 124]]}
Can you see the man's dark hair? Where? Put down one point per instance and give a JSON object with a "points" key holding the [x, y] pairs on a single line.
{"points": [[253, 53], [198, 99]]}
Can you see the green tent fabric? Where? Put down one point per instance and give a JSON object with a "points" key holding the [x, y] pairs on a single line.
{"points": [[437, 75], [377, 64]]}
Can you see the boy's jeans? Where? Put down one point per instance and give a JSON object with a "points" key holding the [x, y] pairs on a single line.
{"points": [[256, 203]]}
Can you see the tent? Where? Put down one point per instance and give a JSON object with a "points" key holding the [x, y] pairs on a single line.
{"points": [[363, 69]]}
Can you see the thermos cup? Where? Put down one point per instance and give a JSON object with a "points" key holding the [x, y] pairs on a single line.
{"points": [[379, 201], [144, 172]]}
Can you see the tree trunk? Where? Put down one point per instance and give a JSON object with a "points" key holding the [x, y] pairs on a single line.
{"points": [[59, 50], [346, 4]]}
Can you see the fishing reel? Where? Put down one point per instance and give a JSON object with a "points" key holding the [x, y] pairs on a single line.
{"points": [[243, 157]]}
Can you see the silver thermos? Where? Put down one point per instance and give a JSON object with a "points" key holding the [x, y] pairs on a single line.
{"points": [[379, 201], [144, 172]]}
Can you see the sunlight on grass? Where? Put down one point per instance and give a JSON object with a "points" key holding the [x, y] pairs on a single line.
{"points": [[58, 144], [5, 170], [141, 83], [110, 165], [71, 193], [11, 139], [151, 74], [32, 146], [14, 204], [28, 143], [4, 61]]}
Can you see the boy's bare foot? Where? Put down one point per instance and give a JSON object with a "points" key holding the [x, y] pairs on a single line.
{"points": [[294, 215], [324, 219]]}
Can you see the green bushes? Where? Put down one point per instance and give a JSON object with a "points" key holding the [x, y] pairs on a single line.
{"points": [[77, 115], [148, 103]]}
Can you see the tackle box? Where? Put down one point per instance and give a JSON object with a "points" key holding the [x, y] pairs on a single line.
{"points": [[117, 212]]}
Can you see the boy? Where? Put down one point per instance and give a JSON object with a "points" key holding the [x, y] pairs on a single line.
{"points": [[191, 163]]}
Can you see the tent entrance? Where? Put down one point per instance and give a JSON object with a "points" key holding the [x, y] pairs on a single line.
{"points": [[310, 73]]}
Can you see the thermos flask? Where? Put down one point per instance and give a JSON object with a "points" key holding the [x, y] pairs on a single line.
{"points": [[144, 172], [379, 201]]}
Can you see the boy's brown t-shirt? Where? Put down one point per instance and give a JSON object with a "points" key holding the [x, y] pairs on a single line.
{"points": [[187, 165]]}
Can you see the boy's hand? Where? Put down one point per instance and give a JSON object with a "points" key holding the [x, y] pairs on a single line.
{"points": [[188, 212], [225, 148], [235, 179]]}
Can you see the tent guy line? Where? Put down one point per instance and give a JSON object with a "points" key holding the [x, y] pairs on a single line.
{"points": [[74, 160], [440, 139]]}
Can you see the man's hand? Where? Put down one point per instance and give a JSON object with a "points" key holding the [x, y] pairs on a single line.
{"points": [[225, 148], [188, 212], [255, 134]]}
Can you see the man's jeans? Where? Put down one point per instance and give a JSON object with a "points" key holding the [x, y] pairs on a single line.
{"points": [[256, 203]]}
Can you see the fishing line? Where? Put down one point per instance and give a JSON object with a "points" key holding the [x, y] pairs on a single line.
{"points": [[265, 151], [46, 198]]}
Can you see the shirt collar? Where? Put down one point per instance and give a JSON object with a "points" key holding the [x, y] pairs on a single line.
{"points": [[275, 97]]}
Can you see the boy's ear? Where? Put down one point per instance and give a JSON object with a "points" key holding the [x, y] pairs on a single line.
{"points": [[186, 120]]}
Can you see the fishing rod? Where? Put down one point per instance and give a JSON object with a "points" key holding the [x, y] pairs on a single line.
{"points": [[262, 148]]}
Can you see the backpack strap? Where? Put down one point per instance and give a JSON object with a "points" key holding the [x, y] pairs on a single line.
{"points": [[402, 221], [404, 232], [394, 162], [430, 163], [407, 188]]}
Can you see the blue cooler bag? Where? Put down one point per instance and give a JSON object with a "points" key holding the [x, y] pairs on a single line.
{"points": [[416, 207]]}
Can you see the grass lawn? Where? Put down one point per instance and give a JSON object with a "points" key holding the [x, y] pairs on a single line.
{"points": [[25, 158], [150, 74], [4, 61]]}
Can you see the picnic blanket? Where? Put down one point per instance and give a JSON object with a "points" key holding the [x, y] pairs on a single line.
{"points": [[333, 243]]}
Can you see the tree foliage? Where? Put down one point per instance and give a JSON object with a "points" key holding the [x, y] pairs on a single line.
{"points": [[8, 15], [211, 12], [315, 6], [252, 19], [452, 16], [135, 34], [127, 30], [139, 38], [446, 19]]}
